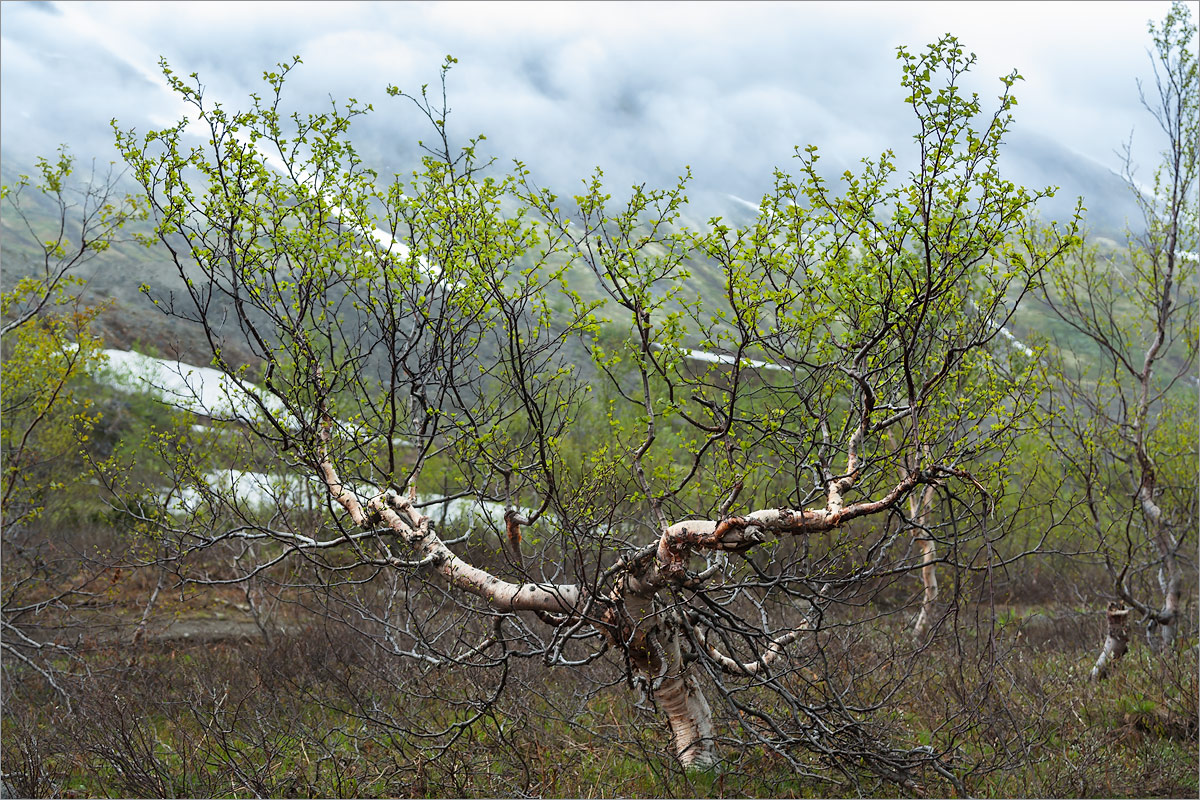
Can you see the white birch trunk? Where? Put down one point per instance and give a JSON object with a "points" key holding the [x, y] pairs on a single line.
{"points": [[929, 580], [919, 511], [679, 696], [654, 650], [1162, 628], [651, 640], [140, 631], [1116, 642]]}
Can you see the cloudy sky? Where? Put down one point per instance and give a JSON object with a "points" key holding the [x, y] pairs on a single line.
{"points": [[641, 89]]}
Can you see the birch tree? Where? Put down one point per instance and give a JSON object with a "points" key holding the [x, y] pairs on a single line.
{"points": [[1125, 416], [679, 483]]}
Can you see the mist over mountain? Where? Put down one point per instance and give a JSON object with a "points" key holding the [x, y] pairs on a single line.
{"points": [[643, 91], [1036, 162]]}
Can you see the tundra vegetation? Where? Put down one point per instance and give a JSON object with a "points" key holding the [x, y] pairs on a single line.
{"points": [[563, 496]]}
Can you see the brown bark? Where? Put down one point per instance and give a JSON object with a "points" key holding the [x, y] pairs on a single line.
{"points": [[512, 529]]}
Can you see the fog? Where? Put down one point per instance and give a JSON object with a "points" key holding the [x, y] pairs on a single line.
{"points": [[643, 90]]}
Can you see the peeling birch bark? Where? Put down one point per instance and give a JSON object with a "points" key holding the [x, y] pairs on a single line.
{"points": [[1116, 642], [677, 693], [398, 515], [690, 718], [679, 696], [655, 654], [633, 622], [654, 649]]}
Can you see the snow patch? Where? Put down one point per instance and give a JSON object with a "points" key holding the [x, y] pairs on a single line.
{"points": [[722, 358], [258, 491], [201, 390]]}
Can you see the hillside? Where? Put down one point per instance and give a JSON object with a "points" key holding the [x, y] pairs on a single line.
{"points": [[131, 322]]}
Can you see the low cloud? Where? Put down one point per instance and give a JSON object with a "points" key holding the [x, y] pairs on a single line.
{"points": [[640, 89]]}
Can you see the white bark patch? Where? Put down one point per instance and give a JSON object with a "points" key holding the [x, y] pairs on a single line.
{"points": [[1116, 642], [774, 651], [690, 718], [554, 598], [929, 580]]}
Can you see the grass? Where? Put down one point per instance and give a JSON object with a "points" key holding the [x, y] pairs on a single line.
{"points": [[231, 721], [320, 712]]}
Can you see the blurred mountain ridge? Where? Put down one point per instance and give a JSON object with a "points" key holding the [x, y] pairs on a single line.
{"points": [[132, 322]]}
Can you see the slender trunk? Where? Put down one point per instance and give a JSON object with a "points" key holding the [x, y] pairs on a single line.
{"points": [[140, 631], [929, 579], [1116, 642], [919, 506], [1161, 630], [260, 615]]}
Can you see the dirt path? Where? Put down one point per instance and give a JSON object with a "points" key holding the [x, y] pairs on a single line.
{"points": [[204, 630]]}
